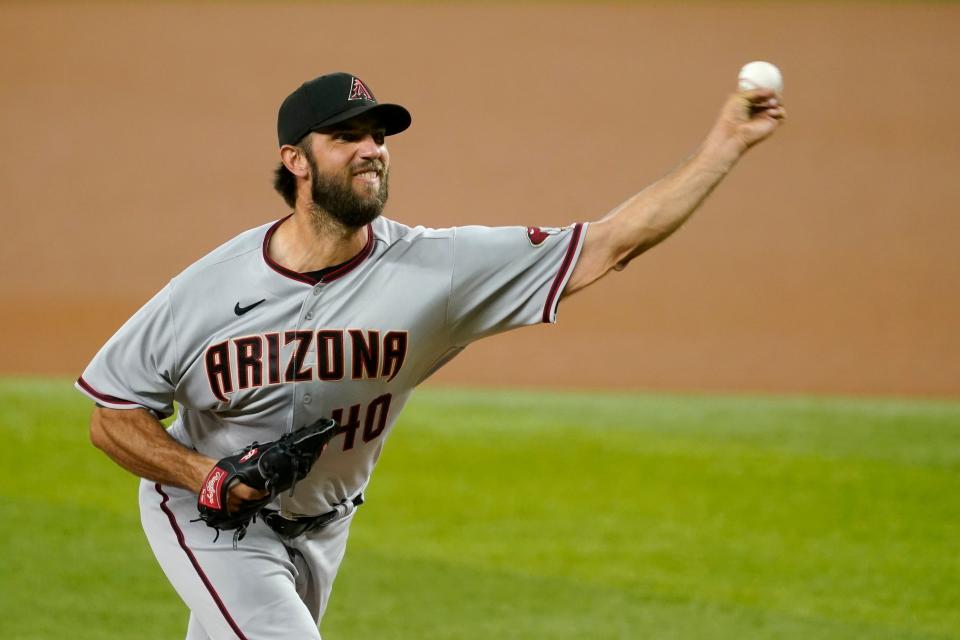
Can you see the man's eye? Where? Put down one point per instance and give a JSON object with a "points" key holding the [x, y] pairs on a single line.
{"points": [[379, 137]]}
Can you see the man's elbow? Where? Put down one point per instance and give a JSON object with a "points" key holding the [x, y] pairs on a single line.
{"points": [[98, 432], [603, 251]]}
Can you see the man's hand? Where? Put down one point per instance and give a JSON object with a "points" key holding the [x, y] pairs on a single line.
{"points": [[746, 119], [238, 486], [240, 494]]}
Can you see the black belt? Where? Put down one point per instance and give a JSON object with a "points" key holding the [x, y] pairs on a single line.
{"points": [[291, 528]]}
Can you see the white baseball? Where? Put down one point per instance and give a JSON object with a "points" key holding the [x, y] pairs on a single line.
{"points": [[760, 75]]}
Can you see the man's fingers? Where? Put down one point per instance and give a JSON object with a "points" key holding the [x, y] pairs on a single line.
{"points": [[777, 113], [765, 102], [762, 99], [749, 105], [246, 492], [241, 493], [759, 95]]}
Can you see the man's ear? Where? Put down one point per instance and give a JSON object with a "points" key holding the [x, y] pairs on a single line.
{"points": [[295, 160]]}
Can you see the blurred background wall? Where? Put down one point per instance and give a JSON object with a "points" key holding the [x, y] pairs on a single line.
{"points": [[136, 137]]}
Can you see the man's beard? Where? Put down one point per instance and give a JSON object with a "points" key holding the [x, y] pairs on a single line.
{"points": [[338, 199]]}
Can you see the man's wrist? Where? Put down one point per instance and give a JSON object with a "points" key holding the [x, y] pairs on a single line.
{"points": [[720, 155], [202, 466]]}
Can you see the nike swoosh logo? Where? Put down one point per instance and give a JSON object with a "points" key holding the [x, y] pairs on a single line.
{"points": [[242, 310]]}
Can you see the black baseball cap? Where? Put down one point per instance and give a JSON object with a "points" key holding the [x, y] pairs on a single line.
{"points": [[330, 99]]}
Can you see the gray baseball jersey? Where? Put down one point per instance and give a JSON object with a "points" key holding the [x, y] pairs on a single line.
{"points": [[250, 350]]}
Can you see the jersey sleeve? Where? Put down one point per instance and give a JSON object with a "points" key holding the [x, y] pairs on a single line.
{"points": [[137, 366], [508, 277]]}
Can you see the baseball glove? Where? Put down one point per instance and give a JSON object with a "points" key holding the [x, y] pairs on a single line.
{"points": [[273, 467]]}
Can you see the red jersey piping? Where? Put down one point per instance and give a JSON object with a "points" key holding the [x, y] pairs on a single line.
{"points": [[104, 398], [181, 540], [344, 269], [562, 273], [101, 396]]}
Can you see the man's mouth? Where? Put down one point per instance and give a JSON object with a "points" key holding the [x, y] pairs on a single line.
{"points": [[370, 177]]}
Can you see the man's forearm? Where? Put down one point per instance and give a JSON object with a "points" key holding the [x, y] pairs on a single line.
{"points": [[137, 441], [651, 215], [655, 213]]}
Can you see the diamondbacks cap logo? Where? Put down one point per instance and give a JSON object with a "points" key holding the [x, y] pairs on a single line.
{"points": [[536, 235], [359, 91]]}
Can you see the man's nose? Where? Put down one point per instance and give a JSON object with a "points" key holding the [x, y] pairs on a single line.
{"points": [[369, 147]]}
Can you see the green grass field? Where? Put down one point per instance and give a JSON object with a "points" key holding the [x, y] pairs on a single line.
{"points": [[536, 515]]}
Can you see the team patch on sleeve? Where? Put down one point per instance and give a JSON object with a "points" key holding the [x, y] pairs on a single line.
{"points": [[536, 235]]}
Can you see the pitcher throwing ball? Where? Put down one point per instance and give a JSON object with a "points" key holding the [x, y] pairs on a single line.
{"points": [[319, 325]]}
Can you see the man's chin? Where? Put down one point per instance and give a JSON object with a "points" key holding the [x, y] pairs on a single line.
{"points": [[357, 219], [352, 205]]}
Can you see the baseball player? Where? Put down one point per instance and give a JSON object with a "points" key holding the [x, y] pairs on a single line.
{"points": [[335, 311]]}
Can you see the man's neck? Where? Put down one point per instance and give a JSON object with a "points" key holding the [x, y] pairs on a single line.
{"points": [[310, 241]]}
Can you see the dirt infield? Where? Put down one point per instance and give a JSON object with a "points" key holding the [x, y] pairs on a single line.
{"points": [[138, 137]]}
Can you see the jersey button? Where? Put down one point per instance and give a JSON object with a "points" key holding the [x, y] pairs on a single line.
{"points": [[309, 315], [306, 398], [316, 288]]}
